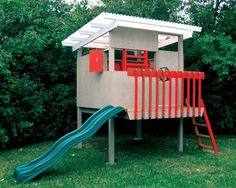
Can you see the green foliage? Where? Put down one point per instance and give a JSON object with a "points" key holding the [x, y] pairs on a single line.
{"points": [[37, 75], [214, 52], [155, 9]]}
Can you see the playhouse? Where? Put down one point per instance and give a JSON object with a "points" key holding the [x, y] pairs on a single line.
{"points": [[128, 73], [126, 67]]}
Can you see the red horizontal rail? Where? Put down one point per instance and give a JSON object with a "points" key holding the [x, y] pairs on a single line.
{"points": [[168, 74], [135, 56], [135, 65]]}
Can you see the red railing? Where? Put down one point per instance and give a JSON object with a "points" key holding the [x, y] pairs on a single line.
{"points": [[185, 87], [129, 64]]}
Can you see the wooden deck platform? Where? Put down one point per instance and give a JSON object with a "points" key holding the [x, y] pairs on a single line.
{"points": [[152, 115]]}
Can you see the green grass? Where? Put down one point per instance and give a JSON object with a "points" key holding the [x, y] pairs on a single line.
{"points": [[153, 162]]}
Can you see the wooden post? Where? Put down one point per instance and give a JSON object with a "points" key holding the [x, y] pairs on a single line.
{"points": [[156, 56], [79, 113], [111, 55], [138, 130], [181, 68], [180, 53], [111, 141], [180, 135], [79, 124]]}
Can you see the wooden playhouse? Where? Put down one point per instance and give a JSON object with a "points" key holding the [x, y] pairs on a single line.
{"points": [[126, 67]]}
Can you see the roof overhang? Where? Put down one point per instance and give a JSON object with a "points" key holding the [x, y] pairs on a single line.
{"points": [[95, 34]]}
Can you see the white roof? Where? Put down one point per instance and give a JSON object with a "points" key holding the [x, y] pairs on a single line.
{"points": [[95, 34]]}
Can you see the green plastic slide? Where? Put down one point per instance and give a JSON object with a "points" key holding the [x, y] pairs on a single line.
{"points": [[39, 165]]}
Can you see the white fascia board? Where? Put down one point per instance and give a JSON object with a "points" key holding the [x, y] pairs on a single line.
{"points": [[160, 29], [78, 39], [97, 25], [95, 35], [174, 40], [68, 43], [101, 41], [96, 45], [98, 40], [86, 32], [132, 19]]}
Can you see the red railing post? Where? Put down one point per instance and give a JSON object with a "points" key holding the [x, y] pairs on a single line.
{"points": [[194, 94], [170, 93], [199, 93], [188, 93], [157, 92], [143, 92], [136, 94], [150, 93], [182, 94], [145, 55], [124, 60], [163, 92], [176, 93]]}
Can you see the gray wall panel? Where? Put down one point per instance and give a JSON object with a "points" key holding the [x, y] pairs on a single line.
{"points": [[134, 39]]}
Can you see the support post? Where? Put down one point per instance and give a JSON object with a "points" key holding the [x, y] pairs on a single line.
{"points": [[111, 55], [181, 68], [79, 124], [180, 53], [156, 56], [180, 135], [138, 130], [79, 113], [111, 141]]}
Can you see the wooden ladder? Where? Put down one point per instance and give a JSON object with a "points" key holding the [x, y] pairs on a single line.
{"points": [[213, 147]]}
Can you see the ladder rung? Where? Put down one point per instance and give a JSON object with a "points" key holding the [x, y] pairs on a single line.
{"points": [[209, 150], [203, 135], [205, 146], [200, 124]]}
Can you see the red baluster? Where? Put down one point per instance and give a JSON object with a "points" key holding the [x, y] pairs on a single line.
{"points": [[143, 93], [136, 94], [150, 93], [163, 93], [157, 92]]}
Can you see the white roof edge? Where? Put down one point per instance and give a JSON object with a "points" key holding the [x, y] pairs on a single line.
{"points": [[95, 36], [105, 22], [150, 21]]}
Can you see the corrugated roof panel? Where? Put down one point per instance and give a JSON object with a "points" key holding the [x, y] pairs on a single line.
{"points": [[94, 34]]}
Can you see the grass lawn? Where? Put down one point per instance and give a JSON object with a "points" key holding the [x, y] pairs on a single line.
{"points": [[153, 162]]}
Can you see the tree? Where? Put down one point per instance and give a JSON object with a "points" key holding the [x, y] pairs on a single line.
{"points": [[214, 52], [37, 74]]}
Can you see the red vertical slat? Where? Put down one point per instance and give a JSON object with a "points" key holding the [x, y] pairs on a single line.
{"points": [[188, 93], [163, 93], [199, 93], [170, 93], [136, 95], [182, 94], [194, 95], [143, 93], [124, 60], [150, 93], [176, 93], [157, 92], [146, 59]]}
